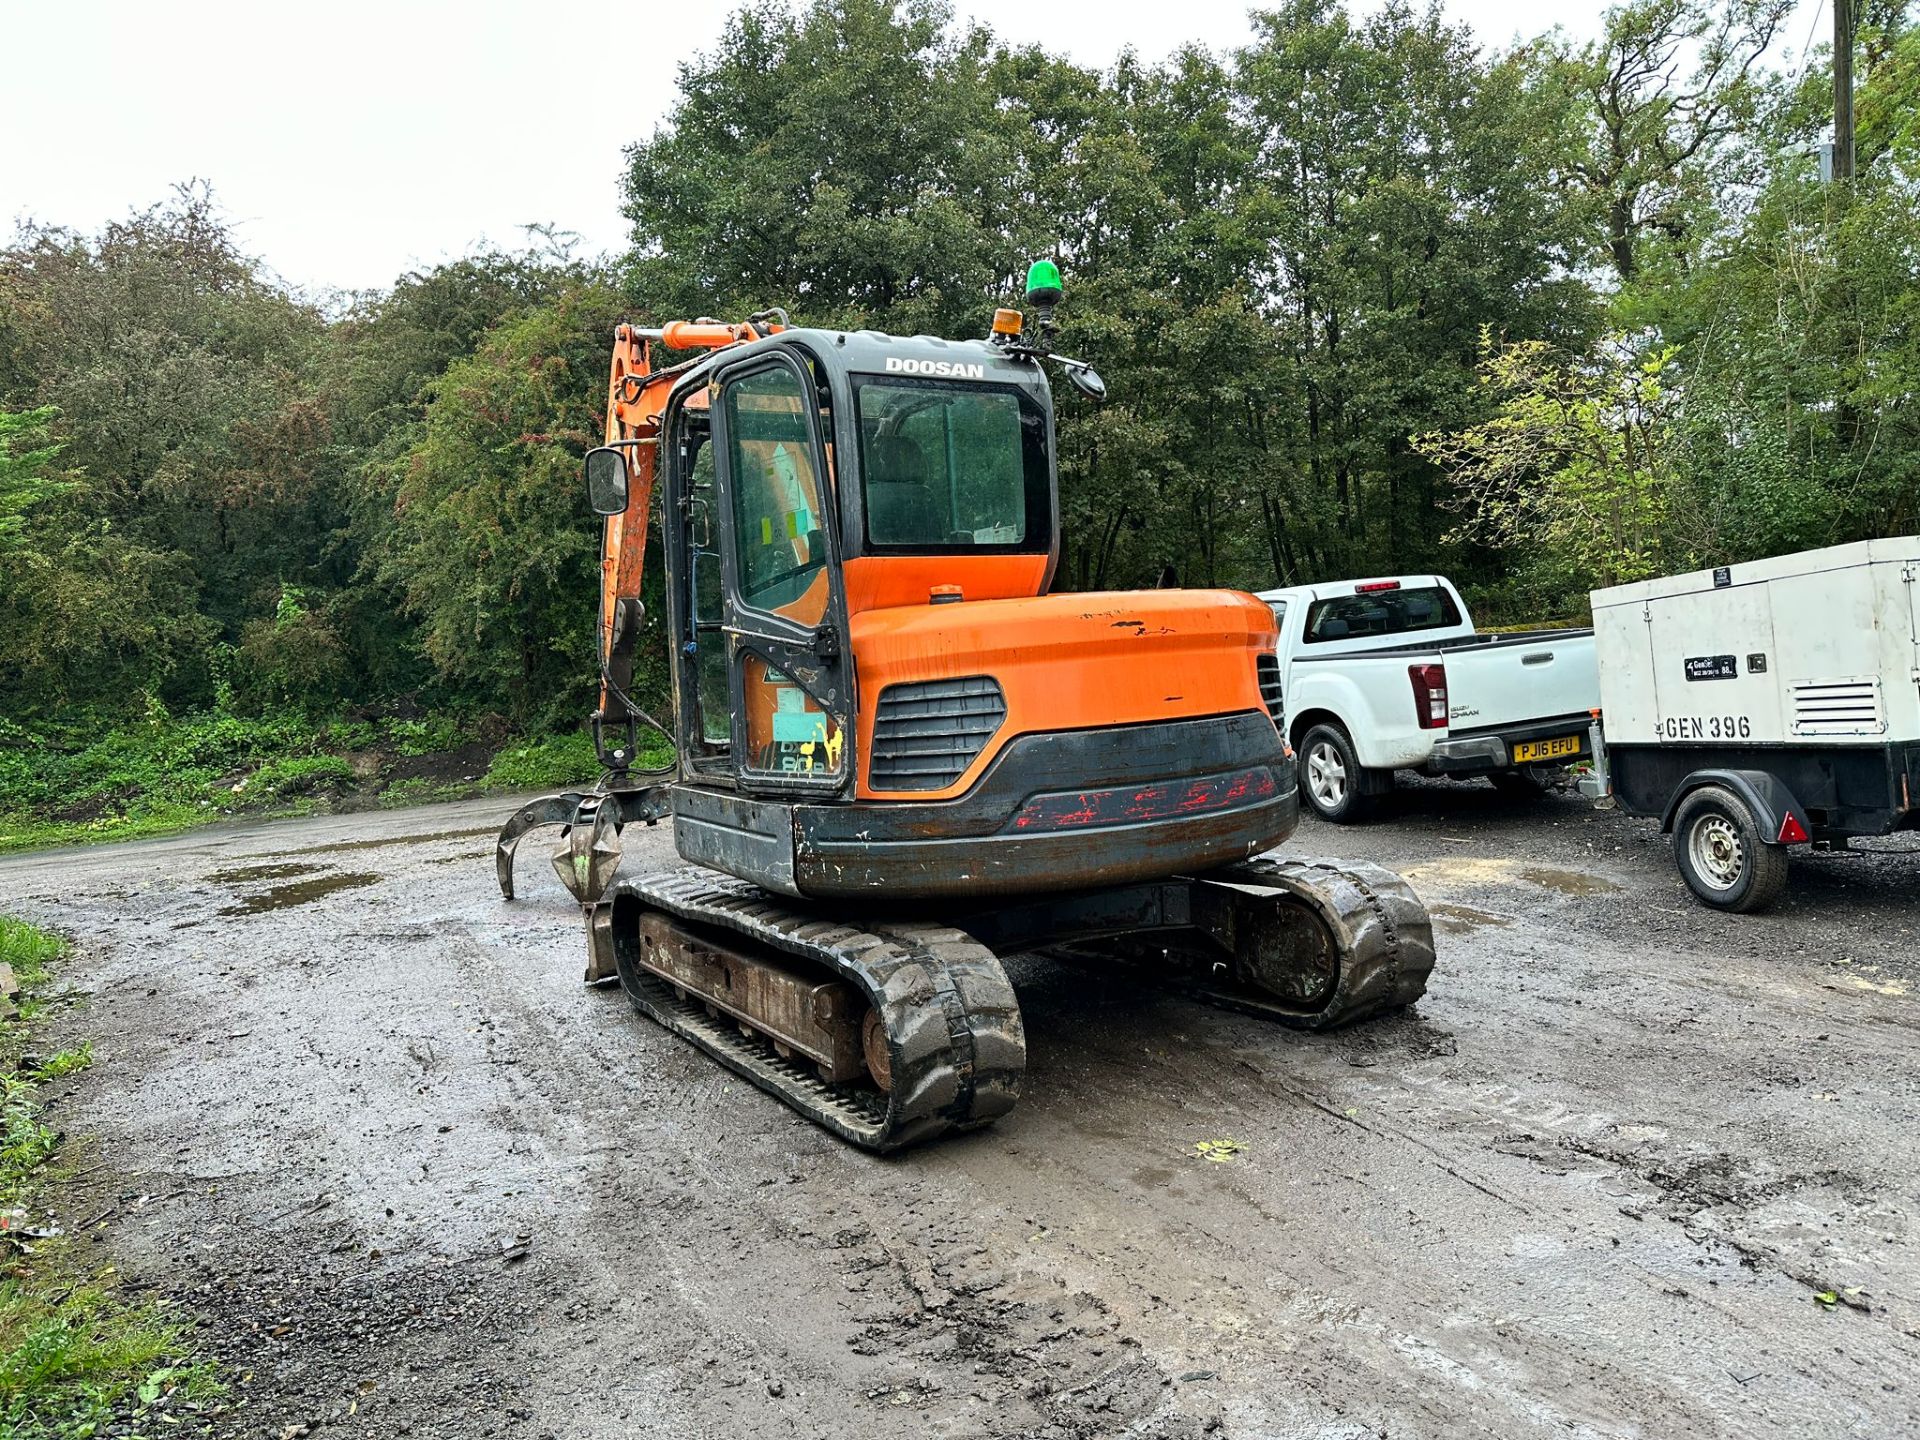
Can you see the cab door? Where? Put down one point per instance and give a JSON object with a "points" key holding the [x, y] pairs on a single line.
{"points": [[784, 606]]}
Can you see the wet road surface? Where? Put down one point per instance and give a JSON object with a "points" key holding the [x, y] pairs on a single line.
{"points": [[417, 1180]]}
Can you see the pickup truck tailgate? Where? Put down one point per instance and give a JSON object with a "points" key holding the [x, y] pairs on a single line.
{"points": [[1494, 681]]}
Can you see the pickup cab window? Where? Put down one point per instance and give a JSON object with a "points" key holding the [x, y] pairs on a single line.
{"points": [[1380, 612]]}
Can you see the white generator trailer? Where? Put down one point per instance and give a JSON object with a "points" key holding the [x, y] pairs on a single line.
{"points": [[1758, 706]]}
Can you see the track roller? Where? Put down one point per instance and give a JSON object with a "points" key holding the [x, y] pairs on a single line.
{"points": [[1313, 944]]}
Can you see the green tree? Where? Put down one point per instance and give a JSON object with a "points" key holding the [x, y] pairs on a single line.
{"points": [[386, 354], [839, 162], [1665, 88], [492, 549], [1279, 262], [197, 454], [91, 618], [1803, 327], [1576, 464], [1407, 199], [1797, 322], [24, 481]]}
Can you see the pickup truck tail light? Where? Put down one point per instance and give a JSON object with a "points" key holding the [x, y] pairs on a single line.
{"points": [[1429, 695]]}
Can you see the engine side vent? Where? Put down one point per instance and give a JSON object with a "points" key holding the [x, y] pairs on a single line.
{"points": [[1267, 669], [1838, 707], [926, 733]]}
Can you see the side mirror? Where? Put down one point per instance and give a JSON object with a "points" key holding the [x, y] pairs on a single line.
{"points": [[1087, 381], [607, 481]]}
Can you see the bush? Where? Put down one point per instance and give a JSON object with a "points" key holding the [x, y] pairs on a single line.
{"points": [[28, 950], [298, 775], [549, 764], [294, 659], [424, 737], [352, 734], [88, 782], [30, 953]]}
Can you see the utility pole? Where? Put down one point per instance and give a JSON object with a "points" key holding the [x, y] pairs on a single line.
{"points": [[1843, 89]]}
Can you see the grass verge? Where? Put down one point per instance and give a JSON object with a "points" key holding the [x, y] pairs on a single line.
{"points": [[78, 1358], [167, 774]]}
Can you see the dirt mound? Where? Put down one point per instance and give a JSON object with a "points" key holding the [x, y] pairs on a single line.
{"points": [[442, 767]]}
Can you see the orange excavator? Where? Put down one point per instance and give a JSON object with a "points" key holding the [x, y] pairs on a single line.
{"points": [[898, 758]]}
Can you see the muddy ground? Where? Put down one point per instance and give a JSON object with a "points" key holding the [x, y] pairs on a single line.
{"points": [[361, 1116]]}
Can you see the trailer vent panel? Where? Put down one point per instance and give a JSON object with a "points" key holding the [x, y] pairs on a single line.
{"points": [[1266, 669], [926, 734], [1838, 707]]}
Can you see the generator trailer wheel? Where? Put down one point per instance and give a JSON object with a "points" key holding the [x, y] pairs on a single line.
{"points": [[1724, 855]]}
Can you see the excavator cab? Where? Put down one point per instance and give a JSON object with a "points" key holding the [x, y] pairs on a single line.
{"points": [[873, 692], [880, 711]]}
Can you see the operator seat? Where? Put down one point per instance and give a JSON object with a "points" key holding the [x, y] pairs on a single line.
{"points": [[901, 509]]}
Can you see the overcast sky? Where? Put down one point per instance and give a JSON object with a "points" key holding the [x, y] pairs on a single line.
{"points": [[355, 139]]}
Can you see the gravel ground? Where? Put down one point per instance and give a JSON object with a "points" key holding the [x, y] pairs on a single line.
{"points": [[362, 1117]]}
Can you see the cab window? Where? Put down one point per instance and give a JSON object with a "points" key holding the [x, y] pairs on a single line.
{"points": [[779, 550], [946, 467]]}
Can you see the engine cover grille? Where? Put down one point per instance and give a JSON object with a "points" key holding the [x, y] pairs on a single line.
{"points": [[927, 732], [1266, 669]]}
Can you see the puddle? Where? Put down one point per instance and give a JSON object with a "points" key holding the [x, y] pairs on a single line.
{"points": [[1569, 882], [462, 856], [1458, 919], [301, 892], [381, 842], [248, 873], [1152, 1177], [1473, 870]]}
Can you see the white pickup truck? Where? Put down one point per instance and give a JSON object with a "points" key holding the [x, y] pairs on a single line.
{"points": [[1389, 674]]}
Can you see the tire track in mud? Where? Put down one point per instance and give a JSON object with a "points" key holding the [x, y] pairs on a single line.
{"points": [[1261, 1285], [1776, 1316], [1668, 1161]]}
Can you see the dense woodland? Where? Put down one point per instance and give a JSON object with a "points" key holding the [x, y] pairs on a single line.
{"points": [[1369, 294]]}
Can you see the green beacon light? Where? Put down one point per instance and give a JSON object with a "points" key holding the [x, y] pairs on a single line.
{"points": [[1043, 284]]}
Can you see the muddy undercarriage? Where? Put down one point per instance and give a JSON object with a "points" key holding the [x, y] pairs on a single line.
{"points": [[903, 1026]]}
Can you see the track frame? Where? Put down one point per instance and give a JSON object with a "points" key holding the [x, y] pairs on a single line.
{"points": [[1313, 944]]}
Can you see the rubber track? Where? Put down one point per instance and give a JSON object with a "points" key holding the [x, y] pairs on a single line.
{"points": [[950, 1016], [1383, 930]]}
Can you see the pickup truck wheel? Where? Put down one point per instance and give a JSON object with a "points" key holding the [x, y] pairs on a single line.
{"points": [[1333, 780], [1722, 854]]}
